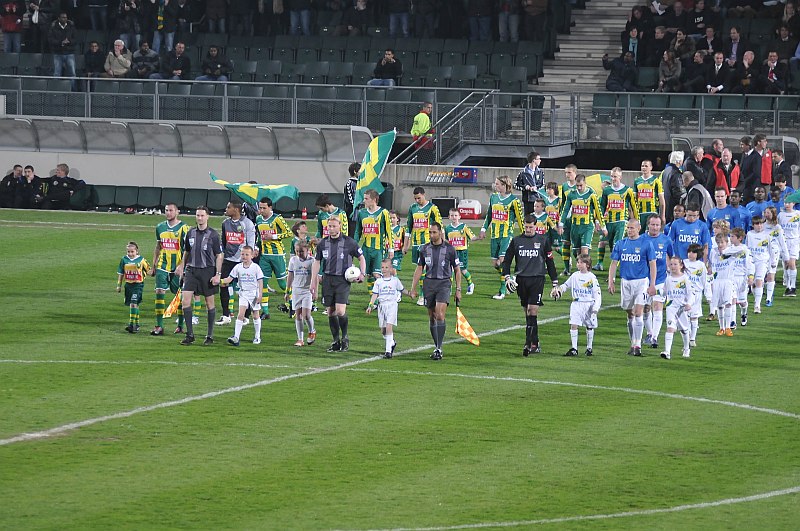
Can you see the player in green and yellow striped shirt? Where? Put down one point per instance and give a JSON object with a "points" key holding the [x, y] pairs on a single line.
{"points": [[399, 235], [542, 220], [133, 268], [420, 216], [504, 210], [649, 195], [570, 173], [459, 236], [328, 210], [271, 230], [583, 211], [166, 257], [618, 204], [374, 235]]}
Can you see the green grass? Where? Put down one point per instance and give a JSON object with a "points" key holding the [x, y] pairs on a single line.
{"points": [[483, 436]]}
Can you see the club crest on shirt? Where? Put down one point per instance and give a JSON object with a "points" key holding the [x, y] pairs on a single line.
{"points": [[536, 245], [325, 254]]}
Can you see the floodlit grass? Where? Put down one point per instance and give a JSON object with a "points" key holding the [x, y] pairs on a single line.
{"points": [[485, 436]]}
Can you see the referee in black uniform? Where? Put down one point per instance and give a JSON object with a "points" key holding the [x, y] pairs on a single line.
{"points": [[338, 251], [440, 261], [201, 266], [533, 254]]}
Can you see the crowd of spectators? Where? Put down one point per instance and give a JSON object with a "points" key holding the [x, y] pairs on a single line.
{"points": [[700, 46], [23, 188]]}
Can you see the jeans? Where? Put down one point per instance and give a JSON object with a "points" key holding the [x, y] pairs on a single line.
{"points": [[480, 28], [60, 61], [216, 26], [131, 40], [426, 25], [300, 21], [12, 42], [508, 24], [158, 75], [398, 19], [221, 78], [240, 24], [381, 82], [98, 18], [168, 40]]}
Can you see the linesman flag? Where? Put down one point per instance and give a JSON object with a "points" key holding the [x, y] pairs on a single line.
{"points": [[372, 166], [174, 306], [465, 330], [253, 193]]}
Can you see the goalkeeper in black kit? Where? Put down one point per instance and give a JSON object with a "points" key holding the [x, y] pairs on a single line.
{"points": [[533, 255]]}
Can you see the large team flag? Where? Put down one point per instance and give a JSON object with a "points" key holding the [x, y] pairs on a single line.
{"points": [[372, 166], [464, 329], [253, 193]]}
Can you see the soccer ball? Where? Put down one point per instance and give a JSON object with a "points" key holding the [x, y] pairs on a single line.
{"points": [[352, 273]]}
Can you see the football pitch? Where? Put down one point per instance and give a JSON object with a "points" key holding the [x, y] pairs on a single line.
{"points": [[100, 428]]}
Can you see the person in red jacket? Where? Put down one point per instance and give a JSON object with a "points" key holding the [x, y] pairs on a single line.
{"points": [[726, 172]]}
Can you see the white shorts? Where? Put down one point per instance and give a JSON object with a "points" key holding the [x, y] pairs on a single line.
{"points": [[301, 298], [677, 318], [387, 314], [696, 302], [793, 248], [740, 284], [722, 293], [249, 298], [659, 296], [580, 314], [762, 268], [634, 292]]}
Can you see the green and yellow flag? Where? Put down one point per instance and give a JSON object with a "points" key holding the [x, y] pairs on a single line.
{"points": [[252, 193], [372, 166]]}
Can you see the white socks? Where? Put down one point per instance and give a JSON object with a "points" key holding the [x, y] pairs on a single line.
{"points": [[758, 293], [257, 326], [298, 325], [770, 289], [658, 320], [638, 328], [589, 337], [238, 330], [694, 325], [389, 341], [573, 336]]}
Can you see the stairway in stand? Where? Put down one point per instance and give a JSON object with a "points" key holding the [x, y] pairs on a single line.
{"points": [[578, 66]]}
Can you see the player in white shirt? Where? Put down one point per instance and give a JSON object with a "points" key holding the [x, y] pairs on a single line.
{"points": [[759, 242], [719, 226], [386, 292], [299, 278], [722, 289], [696, 269], [678, 290], [586, 300], [250, 279], [789, 220], [743, 271], [779, 246]]}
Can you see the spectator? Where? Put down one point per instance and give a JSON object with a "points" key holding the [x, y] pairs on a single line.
{"points": [[623, 73], [742, 8], [145, 61], [735, 47], [427, 17], [62, 45], [535, 18], [669, 73], [785, 45], [118, 61], [11, 12], [715, 151], [632, 43], [30, 190], [773, 75], [699, 19], [791, 19], [356, 20], [782, 168], [709, 42], [129, 22], [175, 65], [387, 71], [682, 46], [480, 19], [726, 174], [508, 20], [697, 197], [216, 10], [98, 14], [655, 47], [60, 189], [700, 165], [183, 18], [299, 17], [695, 75], [94, 60], [399, 14], [8, 186], [165, 23], [240, 17], [745, 144], [640, 20], [676, 18], [41, 15], [755, 170], [215, 66], [718, 76], [672, 181], [745, 76]]}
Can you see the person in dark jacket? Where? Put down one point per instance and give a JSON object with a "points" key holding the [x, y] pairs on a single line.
{"points": [[30, 190], [350, 196], [387, 71], [623, 73], [8, 186], [672, 181], [695, 74], [355, 20], [427, 14], [94, 60], [41, 15], [145, 61], [215, 66], [701, 166], [129, 22], [176, 64], [240, 17], [164, 23], [62, 42], [60, 189]]}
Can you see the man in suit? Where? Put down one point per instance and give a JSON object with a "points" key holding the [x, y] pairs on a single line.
{"points": [[772, 79], [735, 47], [718, 76], [710, 42], [754, 171], [746, 75], [782, 167]]}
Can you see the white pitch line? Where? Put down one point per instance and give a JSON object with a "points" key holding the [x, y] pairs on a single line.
{"points": [[44, 434]]}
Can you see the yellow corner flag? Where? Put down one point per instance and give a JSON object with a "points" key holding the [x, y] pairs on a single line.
{"points": [[465, 330], [174, 306]]}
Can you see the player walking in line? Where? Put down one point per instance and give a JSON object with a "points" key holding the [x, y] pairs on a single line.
{"points": [[386, 293], [237, 231], [582, 208], [420, 216], [677, 289], [271, 229], [300, 266], [552, 205], [399, 235], [618, 205], [328, 210], [759, 242], [337, 250], [532, 256], [778, 242], [440, 262], [460, 236], [743, 271], [132, 269], [723, 290], [570, 174], [689, 230], [504, 210], [586, 300], [544, 223], [696, 269], [166, 257], [649, 194], [636, 260], [374, 234], [654, 308], [250, 280], [201, 264], [789, 220]]}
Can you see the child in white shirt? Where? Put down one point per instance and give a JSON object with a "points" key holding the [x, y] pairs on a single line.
{"points": [[387, 291], [586, 301], [299, 279], [723, 293], [789, 220], [743, 271], [696, 271], [762, 251], [251, 282], [677, 288]]}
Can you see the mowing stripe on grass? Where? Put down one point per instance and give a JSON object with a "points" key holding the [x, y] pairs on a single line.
{"points": [[44, 434], [155, 362], [74, 225]]}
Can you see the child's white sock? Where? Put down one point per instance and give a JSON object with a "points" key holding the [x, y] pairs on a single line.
{"points": [[238, 328], [770, 289], [658, 320], [668, 341], [589, 337], [298, 325], [257, 326], [389, 342], [573, 337], [693, 331]]}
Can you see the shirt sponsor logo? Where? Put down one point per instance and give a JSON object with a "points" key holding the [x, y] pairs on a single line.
{"points": [[616, 204], [169, 244], [580, 210], [370, 228], [645, 194], [499, 214], [234, 237]]}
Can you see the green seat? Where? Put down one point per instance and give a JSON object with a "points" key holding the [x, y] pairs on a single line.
{"points": [[648, 78], [652, 108], [218, 199], [194, 198], [732, 107], [126, 196], [513, 79], [604, 107], [149, 197], [681, 109], [173, 195], [104, 196], [340, 73]]}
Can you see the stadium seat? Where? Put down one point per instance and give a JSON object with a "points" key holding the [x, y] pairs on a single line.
{"points": [[149, 197], [357, 50], [648, 78], [681, 109], [340, 73], [244, 71], [292, 73], [454, 51], [430, 53], [218, 199], [268, 70], [498, 61], [8, 64], [246, 104], [29, 64], [438, 76], [514, 79], [126, 196], [463, 76], [104, 196], [362, 73], [194, 198], [317, 72], [651, 108], [173, 195]]}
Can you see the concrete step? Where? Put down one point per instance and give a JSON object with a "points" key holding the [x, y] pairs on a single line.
{"points": [[594, 53], [574, 64], [589, 38]]}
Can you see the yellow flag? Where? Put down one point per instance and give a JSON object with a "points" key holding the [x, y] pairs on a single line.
{"points": [[465, 330], [174, 305]]}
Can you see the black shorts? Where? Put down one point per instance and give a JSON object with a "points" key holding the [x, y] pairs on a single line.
{"points": [[335, 290], [198, 281], [436, 290], [529, 290]]}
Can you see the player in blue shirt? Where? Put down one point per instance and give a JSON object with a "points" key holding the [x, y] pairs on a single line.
{"points": [[757, 207], [637, 266], [722, 211], [689, 230], [654, 309], [745, 217]]}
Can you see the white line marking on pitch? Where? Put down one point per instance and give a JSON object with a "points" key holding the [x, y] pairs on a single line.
{"points": [[44, 434]]}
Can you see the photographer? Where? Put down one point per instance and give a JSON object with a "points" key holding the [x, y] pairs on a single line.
{"points": [[215, 67], [387, 72]]}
